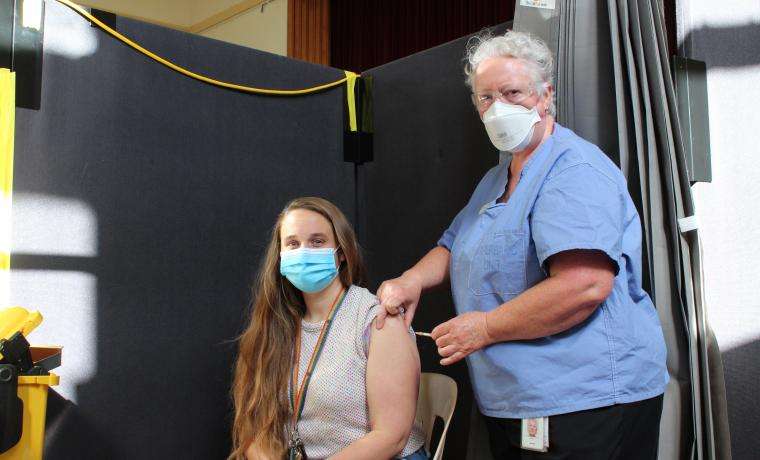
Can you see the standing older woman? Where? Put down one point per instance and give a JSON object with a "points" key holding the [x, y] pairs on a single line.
{"points": [[565, 350]]}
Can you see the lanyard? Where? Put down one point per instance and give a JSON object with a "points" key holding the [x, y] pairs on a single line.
{"points": [[297, 403]]}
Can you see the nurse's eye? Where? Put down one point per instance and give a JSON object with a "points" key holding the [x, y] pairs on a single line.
{"points": [[292, 244], [317, 242]]}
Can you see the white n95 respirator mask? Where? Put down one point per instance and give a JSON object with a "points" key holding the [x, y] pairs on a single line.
{"points": [[509, 126]]}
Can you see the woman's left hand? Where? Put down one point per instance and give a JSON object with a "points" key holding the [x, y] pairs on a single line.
{"points": [[460, 336]]}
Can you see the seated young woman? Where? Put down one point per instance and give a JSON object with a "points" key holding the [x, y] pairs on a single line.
{"points": [[313, 378]]}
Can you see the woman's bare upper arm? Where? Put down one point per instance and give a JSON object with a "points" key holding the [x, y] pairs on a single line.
{"points": [[393, 373]]}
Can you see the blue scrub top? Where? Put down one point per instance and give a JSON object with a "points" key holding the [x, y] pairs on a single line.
{"points": [[570, 196]]}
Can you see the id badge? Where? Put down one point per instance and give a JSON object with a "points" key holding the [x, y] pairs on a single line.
{"points": [[535, 434]]}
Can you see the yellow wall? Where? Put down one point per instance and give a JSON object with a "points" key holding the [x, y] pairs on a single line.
{"points": [[173, 12], [267, 30]]}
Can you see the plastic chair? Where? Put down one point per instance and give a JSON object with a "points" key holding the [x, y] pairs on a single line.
{"points": [[438, 396]]}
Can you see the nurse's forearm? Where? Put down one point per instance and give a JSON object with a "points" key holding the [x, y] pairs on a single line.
{"points": [[432, 270], [552, 306]]}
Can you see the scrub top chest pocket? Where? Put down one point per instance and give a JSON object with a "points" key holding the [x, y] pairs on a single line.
{"points": [[498, 266]]}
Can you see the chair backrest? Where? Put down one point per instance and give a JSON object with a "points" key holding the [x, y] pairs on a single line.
{"points": [[438, 396]]}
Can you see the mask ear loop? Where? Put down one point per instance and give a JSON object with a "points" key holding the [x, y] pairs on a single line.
{"points": [[339, 252], [545, 87]]}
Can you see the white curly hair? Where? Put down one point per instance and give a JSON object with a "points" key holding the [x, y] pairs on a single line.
{"points": [[520, 45]]}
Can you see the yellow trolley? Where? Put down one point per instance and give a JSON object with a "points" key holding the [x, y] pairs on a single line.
{"points": [[24, 380]]}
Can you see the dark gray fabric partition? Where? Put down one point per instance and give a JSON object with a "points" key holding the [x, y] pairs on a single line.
{"points": [[430, 151], [181, 182]]}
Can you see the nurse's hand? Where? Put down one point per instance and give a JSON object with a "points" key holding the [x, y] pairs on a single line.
{"points": [[397, 294], [460, 336]]}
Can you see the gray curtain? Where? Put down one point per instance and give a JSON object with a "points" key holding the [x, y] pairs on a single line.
{"points": [[614, 88], [651, 156]]}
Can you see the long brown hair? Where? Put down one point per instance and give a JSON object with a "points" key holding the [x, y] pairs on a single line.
{"points": [[265, 354]]}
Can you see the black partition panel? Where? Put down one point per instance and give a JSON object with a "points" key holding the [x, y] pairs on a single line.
{"points": [[176, 184], [430, 151]]}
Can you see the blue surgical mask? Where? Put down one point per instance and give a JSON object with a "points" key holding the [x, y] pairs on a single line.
{"points": [[310, 270]]}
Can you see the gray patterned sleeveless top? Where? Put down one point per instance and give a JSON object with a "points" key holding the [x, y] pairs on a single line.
{"points": [[335, 412]]}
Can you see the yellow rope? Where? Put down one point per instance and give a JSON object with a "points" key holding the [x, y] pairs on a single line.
{"points": [[248, 89]]}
